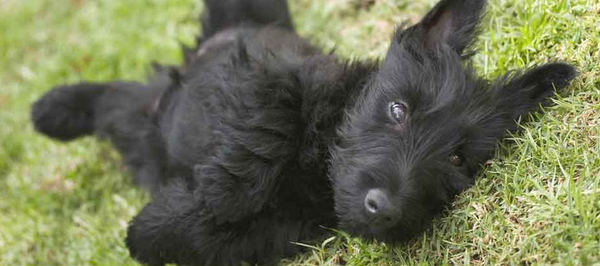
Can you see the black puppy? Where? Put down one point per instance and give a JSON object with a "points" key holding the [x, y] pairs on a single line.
{"points": [[259, 137]]}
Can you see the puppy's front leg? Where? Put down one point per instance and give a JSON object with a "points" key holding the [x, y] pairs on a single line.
{"points": [[237, 181], [176, 227]]}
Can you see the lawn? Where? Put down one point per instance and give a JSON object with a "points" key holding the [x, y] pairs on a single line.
{"points": [[538, 201]]}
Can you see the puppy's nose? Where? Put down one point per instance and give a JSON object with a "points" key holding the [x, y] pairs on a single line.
{"points": [[379, 207], [376, 201]]}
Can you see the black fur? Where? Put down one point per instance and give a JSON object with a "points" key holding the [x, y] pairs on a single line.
{"points": [[259, 138]]}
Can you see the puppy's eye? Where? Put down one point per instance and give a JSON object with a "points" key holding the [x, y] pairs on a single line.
{"points": [[398, 111], [456, 159]]}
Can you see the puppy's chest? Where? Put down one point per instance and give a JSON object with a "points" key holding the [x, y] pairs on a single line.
{"points": [[305, 190]]}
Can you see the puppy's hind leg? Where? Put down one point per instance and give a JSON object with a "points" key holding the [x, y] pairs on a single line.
{"points": [[67, 112], [119, 111], [222, 14]]}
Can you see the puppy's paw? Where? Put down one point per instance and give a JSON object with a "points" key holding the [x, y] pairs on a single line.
{"points": [[67, 112]]}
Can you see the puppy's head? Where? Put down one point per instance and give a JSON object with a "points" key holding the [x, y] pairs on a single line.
{"points": [[420, 130]]}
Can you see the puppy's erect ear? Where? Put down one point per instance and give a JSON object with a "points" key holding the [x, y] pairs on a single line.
{"points": [[451, 22], [525, 92]]}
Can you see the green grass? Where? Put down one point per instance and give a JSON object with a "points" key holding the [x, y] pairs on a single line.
{"points": [[68, 204]]}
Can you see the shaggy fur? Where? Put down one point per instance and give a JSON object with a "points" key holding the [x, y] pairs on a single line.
{"points": [[259, 139]]}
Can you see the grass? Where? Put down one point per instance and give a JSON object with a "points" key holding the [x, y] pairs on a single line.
{"points": [[538, 202]]}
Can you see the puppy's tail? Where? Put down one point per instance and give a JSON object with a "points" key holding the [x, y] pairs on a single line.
{"points": [[67, 112], [221, 14]]}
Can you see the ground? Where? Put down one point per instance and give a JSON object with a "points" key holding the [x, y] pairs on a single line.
{"points": [[538, 201]]}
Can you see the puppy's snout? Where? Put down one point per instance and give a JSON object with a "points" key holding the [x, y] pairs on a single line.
{"points": [[379, 207]]}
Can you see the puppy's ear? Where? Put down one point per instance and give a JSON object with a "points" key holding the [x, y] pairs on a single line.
{"points": [[451, 22], [523, 93]]}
